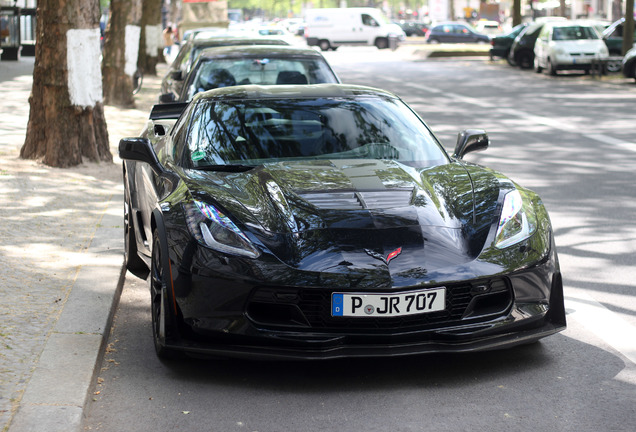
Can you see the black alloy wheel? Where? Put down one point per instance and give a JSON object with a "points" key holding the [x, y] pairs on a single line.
{"points": [[160, 308]]}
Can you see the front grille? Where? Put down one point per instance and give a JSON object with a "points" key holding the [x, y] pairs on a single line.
{"points": [[311, 308]]}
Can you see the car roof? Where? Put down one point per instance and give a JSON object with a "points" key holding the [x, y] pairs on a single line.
{"points": [[258, 51], [292, 92], [237, 40], [569, 24]]}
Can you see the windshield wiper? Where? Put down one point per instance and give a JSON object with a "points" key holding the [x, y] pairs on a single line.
{"points": [[226, 168]]}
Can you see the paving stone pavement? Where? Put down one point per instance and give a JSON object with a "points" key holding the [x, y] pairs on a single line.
{"points": [[49, 224]]}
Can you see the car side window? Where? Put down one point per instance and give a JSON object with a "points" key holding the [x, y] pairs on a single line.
{"points": [[179, 133], [369, 21], [461, 29]]}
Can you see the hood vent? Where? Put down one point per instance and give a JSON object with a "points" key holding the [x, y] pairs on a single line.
{"points": [[360, 200]]}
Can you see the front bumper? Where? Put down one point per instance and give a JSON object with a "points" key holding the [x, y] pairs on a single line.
{"points": [[237, 318]]}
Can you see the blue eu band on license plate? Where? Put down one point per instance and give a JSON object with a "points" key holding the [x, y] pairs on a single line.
{"points": [[388, 304]]}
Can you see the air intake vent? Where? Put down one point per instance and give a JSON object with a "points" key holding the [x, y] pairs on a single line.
{"points": [[334, 200], [386, 199], [360, 200]]}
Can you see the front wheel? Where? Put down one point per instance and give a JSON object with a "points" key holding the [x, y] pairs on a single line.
{"points": [[613, 66], [381, 43], [324, 45], [161, 309], [552, 68]]}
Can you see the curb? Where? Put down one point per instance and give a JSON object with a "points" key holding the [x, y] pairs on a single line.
{"points": [[59, 387]]}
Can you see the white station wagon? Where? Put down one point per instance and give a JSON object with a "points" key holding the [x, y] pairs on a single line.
{"points": [[568, 45]]}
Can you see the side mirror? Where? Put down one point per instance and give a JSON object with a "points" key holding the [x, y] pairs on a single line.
{"points": [[140, 149], [177, 75], [470, 140], [166, 98]]}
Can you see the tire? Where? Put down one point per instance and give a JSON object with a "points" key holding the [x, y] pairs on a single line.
{"points": [[525, 60], [551, 68], [161, 309], [324, 45], [432, 41], [133, 263], [137, 81], [614, 66], [381, 43]]}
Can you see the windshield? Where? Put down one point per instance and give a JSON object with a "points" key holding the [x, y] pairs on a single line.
{"points": [[254, 132], [574, 33], [262, 71]]}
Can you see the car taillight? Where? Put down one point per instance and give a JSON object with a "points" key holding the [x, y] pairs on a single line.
{"points": [[428, 32]]}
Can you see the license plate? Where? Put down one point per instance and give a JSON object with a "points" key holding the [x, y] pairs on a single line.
{"points": [[388, 304]]}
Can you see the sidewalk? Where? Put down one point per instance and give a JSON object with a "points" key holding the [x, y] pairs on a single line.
{"points": [[61, 258]]}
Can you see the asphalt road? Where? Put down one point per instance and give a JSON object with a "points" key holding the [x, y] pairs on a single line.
{"points": [[569, 138]]}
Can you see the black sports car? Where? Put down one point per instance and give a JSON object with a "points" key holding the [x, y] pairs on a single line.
{"points": [[326, 221]]}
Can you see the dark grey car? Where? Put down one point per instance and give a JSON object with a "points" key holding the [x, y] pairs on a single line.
{"points": [[455, 32], [251, 64]]}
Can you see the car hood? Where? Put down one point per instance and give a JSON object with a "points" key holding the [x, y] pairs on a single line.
{"points": [[322, 214]]}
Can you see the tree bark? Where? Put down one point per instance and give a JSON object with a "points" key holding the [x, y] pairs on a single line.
{"points": [[66, 118], [121, 50], [628, 28], [150, 43]]}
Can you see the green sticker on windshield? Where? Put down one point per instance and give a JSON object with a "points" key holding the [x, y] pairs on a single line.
{"points": [[198, 155]]}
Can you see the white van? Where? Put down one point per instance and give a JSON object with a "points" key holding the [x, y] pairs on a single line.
{"points": [[332, 27]]}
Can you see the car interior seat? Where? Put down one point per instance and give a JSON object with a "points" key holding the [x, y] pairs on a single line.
{"points": [[218, 78], [291, 77]]}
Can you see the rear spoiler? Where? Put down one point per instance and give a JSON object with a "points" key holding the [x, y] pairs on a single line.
{"points": [[166, 111]]}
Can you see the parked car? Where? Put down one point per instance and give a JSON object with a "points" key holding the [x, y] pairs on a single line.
{"points": [[522, 49], [613, 37], [568, 46], [191, 48], [500, 45], [277, 32], [454, 32], [629, 64], [327, 221], [413, 28], [329, 28], [490, 28], [251, 64]]}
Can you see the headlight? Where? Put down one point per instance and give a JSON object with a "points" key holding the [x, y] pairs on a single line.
{"points": [[213, 229], [518, 220]]}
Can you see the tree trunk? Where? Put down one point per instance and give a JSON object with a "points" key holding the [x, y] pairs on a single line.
{"points": [[121, 51], [516, 12], [151, 42], [66, 118], [628, 28]]}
